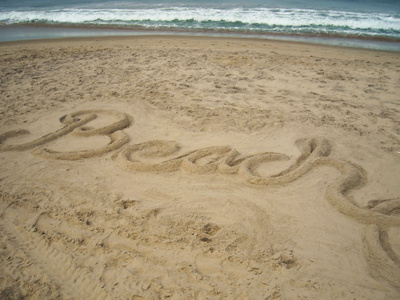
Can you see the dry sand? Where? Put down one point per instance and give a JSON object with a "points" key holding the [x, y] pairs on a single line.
{"points": [[198, 168]]}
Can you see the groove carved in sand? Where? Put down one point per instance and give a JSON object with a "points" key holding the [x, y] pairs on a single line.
{"points": [[314, 153], [75, 123], [378, 250], [163, 156]]}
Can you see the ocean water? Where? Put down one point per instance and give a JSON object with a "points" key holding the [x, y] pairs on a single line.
{"points": [[363, 23]]}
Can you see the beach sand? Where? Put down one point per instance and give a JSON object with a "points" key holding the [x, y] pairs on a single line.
{"points": [[198, 168]]}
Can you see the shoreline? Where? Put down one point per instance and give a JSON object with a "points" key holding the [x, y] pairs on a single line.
{"points": [[205, 30], [20, 32]]}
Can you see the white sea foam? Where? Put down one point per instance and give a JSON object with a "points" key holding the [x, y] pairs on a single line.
{"points": [[255, 18]]}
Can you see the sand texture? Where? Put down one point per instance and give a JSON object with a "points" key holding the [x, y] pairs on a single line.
{"points": [[198, 168]]}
